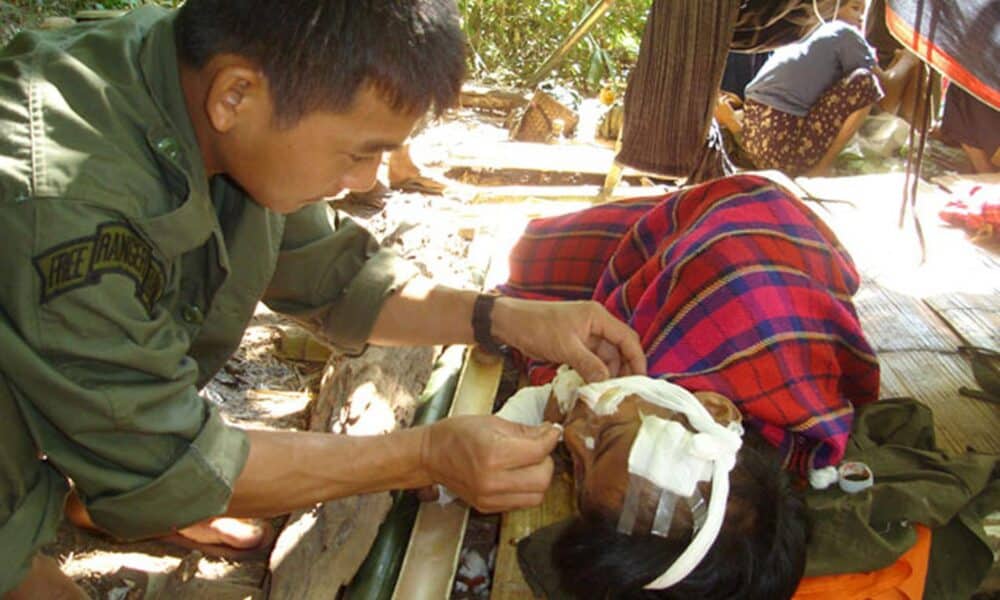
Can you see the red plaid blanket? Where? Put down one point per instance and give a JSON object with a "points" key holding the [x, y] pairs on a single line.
{"points": [[733, 286]]}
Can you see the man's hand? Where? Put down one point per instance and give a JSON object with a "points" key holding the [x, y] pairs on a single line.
{"points": [[581, 334], [492, 464]]}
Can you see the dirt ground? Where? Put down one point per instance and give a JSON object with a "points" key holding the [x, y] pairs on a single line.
{"points": [[268, 384]]}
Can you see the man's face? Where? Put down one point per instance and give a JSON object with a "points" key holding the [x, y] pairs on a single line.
{"points": [[600, 447], [324, 153]]}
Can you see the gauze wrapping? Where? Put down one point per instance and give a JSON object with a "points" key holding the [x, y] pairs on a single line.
{"points": [[674, 458], [527, 406]]}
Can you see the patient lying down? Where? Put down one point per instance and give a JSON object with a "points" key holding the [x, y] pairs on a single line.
{"points": [[672, 503]]}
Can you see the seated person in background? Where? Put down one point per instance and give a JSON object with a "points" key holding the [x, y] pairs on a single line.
{"points": [[735, 289], [975, 125], [810, 98]]}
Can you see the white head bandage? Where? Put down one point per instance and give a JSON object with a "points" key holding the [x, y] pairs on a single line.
{"points": [[664, 452], [674, 458], [527, 406]]}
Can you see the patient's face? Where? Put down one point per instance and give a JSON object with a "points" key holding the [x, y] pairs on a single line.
{"points": [[600, 446]]}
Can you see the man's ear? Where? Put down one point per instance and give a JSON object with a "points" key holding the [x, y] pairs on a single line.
{"points": [[237, 92]]}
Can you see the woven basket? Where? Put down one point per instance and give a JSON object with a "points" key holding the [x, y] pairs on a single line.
{"points": [[540, 121]]}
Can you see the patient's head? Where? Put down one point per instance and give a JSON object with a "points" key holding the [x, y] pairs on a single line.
{"points": [[760, 548]]}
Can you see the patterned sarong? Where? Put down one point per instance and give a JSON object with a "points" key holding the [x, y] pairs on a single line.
{"points": [[733, 286], [778, 140]]}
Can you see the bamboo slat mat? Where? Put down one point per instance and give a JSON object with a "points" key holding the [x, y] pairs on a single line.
{"points": [[961, 423], [896, 322], [974, 318], [919, 358], [508, 583]]}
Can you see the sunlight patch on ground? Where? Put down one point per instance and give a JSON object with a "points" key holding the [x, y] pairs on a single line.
{"points": [[886, 252]]}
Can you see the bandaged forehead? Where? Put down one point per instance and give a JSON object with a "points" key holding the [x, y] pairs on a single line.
{"points": [[673, 457]]}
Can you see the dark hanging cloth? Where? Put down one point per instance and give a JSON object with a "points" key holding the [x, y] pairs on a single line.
{"points": [[959, 39], [673, 87], [877, 34], [740, 70]]}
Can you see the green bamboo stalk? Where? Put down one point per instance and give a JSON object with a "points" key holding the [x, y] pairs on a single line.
{"points": [[376, 579]]}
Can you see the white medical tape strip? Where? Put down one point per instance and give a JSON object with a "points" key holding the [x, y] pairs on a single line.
{"points": [[704, 539], [664, 514], [630, 507], [699, 510], [564, 386]]}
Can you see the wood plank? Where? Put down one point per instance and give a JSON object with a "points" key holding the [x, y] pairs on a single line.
{"points": [[552, 158], [975, 318], [582, 196], [559, 504], [432, 555]]}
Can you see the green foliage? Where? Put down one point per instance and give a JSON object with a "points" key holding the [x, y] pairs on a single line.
{"points": [[509, 39], [71, 7], [19, 14]]}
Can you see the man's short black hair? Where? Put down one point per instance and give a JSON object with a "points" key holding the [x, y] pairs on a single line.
{"points": [[759, 554], [316, 54]]}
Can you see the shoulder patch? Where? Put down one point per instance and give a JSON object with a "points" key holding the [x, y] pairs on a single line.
{"points": [[114, 248]]}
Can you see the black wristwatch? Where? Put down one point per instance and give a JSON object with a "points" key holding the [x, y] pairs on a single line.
{"points": [[482, 325]]}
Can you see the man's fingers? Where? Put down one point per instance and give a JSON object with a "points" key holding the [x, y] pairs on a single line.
{"points": [[506, 502], [530, 479], [608, 353], [626, 339], [588, 364], [525, 445]]}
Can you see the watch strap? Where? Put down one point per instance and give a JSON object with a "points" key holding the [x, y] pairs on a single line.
{"points": [[482, 324]]}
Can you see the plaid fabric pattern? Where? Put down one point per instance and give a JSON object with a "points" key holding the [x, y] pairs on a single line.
{"points": [[733, 286]]}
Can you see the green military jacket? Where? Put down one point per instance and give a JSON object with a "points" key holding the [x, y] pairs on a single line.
{"points": [[129, 278]]}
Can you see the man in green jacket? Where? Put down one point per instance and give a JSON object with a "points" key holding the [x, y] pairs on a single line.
{"points": [[159, 175]]}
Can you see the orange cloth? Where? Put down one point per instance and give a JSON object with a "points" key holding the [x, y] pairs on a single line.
{"points": [[902, 580]]}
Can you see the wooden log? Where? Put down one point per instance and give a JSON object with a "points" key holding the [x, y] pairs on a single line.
{"points": [[99, 14], [357, 393], [56, 23], [320, 550], [491, 99]]}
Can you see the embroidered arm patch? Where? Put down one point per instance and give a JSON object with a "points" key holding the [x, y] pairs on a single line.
{"points": [[114, 248]]}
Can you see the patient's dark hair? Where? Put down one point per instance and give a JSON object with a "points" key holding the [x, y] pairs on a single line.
{"points": [[759, 554], [316, 54]]}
